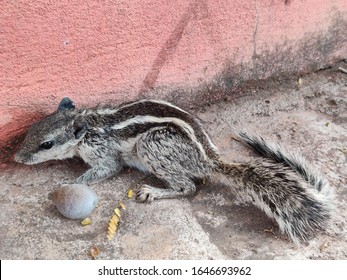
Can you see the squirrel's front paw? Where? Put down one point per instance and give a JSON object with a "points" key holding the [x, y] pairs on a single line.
{"points": [[146, 194]]}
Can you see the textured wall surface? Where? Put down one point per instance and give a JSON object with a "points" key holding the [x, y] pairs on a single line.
{"points": [[186, 51]]}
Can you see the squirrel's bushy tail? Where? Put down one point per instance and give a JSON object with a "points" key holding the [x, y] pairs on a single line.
{"points": [[283, 187], [296, 162]]}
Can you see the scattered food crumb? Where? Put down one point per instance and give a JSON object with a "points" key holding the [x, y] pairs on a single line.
{"points": [[324, 246], [94, 252], [86, 221], [130, 193], [343, 70]]}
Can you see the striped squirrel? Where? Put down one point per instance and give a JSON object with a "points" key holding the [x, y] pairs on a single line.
{"points": [[162, 139]]}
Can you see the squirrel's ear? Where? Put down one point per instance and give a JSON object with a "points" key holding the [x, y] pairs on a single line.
{"points": [[80, 128], [66, 104]]}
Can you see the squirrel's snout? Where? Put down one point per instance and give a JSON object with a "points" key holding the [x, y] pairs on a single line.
{"points": [[22, 158], [18, 158]]}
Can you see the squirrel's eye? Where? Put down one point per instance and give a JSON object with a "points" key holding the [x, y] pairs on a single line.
{"points": [[47, 145]]}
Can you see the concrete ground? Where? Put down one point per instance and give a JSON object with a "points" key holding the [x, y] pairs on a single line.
{"points": [[308, 115]]}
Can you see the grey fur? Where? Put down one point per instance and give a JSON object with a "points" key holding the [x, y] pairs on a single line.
{"points": [[162, 139]]}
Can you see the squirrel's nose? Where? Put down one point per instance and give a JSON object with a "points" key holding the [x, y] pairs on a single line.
{"points": [[22, 158], [18, 158]]}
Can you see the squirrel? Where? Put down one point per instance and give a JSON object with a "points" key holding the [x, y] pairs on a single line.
{"points": [[160, 138]]}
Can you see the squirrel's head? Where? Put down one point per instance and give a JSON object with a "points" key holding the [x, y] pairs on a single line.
{"points": [[54, 137]]}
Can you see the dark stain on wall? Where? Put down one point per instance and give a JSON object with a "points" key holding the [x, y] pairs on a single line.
{"points": [[169, 48]]}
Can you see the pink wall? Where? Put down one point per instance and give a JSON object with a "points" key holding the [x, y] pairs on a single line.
{"points": [[94, 51]]}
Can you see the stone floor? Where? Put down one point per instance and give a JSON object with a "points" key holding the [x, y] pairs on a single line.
{"points": [[308, 115]]}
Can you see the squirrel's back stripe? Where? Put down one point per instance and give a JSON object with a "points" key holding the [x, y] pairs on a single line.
{"points": [[153, 111]]}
